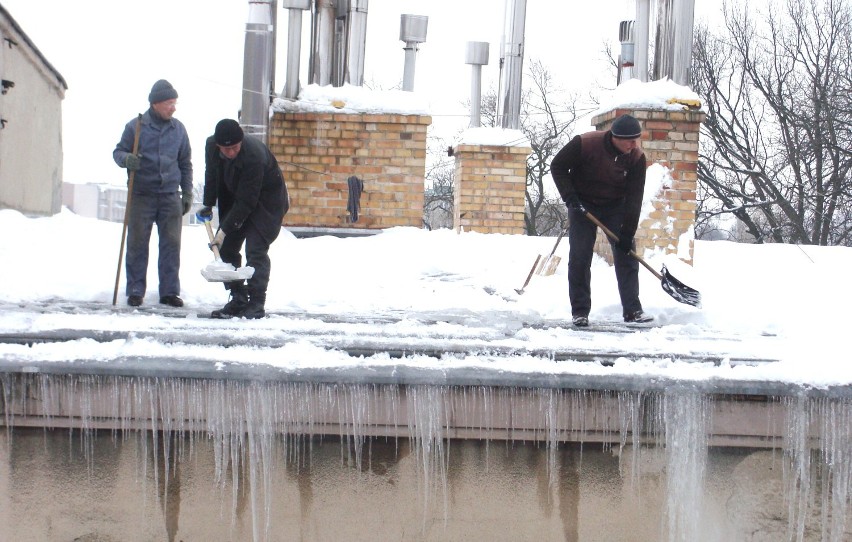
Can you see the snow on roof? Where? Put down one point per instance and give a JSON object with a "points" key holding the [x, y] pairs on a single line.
{"points": [[663, 94], [352, 99]]}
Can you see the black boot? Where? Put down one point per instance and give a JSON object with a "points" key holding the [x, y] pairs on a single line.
{"points": [[255, 308], [239, 301]]}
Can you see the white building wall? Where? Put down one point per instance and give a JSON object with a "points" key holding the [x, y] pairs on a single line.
{"points": [[31, 136]]}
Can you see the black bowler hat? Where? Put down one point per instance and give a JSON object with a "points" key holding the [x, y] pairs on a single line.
{"points": [[228, 132], [626, 127]]}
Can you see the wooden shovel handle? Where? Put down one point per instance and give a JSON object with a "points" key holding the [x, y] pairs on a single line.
{"points": [[214, 248], [614, 237]]}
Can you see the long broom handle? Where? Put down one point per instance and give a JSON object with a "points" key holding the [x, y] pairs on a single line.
{"points": [[127, 209], [614, 237]]}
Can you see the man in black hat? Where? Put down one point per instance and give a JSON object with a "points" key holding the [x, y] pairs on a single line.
{"points": [[162, 193], [603, 173], [243, 179]]}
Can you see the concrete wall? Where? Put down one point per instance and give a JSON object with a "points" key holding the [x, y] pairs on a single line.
{"points": [[59, 486], [31, 138], [318, 152]]}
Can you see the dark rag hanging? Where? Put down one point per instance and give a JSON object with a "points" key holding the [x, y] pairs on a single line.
{"points": [[356, 186]]}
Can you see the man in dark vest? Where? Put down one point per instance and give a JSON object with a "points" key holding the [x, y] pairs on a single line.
{"points": [[243, 179], [603, 173]]}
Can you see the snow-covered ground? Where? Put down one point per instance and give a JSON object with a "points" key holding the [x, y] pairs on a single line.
{"points": [[411, 289]]}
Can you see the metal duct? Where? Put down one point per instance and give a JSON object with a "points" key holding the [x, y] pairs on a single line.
{"points": [[476, 54], [412, 31], [356, 42], [640, 34], [625, 59], [322, 42], [254, 117], [294, 44], [673, 52], [511, 64]]}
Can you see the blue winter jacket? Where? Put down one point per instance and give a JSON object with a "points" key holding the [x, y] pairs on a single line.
{"points": [[166, 164]]}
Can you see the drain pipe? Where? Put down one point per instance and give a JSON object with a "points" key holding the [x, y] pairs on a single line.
{"points": [[640, 35], [412, 30], [626, 58], [476, 54], [512, 64], [254, 116], [294, 44]]}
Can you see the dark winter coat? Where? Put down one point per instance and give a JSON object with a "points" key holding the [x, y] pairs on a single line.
{"points": [[249, 188], [590, 168]]}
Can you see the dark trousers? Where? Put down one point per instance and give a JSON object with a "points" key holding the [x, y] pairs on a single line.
{"points": [[581, 238], [257, 256], [164, 210]]}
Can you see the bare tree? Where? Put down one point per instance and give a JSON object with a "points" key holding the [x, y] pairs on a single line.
{"points": [[438, 196], [547, 119], [775, 150]]}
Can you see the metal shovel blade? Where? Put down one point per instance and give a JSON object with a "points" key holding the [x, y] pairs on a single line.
{"points": [[678, 290], [220, 271]]}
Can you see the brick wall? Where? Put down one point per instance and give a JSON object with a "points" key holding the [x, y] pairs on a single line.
{"points": [[489, 186], [318, 152], [669, 138]]}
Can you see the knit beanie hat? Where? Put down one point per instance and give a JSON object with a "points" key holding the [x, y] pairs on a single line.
{"points": [[162, 91], [626, 127], [228, 132]]}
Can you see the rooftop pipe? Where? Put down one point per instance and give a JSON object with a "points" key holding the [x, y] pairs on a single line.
{"points": [[412, 30]]}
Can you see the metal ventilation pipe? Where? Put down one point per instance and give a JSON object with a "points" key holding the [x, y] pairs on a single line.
{"points": [[254, 117], [294, 44], [512, 64], [412, 30], [322, 42], [640, 34], [356, 42], [476, 54], [673, 52], [625, 59]]}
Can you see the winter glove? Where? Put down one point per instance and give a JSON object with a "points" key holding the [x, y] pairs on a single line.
{"points": [[205, 214], [575, 203], [218, 239], [132, 161], [625, 243], [186, 200]]}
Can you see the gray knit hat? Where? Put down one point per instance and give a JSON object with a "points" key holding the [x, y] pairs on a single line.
{"points": [[626, 127], [162, 91]]}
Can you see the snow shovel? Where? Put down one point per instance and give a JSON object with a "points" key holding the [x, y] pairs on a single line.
{"points": [[219, 271], [675, 288], [548, 266]]}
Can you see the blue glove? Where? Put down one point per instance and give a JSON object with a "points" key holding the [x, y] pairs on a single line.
{"points": [[625, 243], [205, 214]]}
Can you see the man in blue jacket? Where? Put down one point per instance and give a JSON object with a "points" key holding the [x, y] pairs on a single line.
{"points": [[162, 193], [243, 179]]}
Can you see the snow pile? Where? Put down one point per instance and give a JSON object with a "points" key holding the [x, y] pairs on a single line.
{"points": [[500, 137]]}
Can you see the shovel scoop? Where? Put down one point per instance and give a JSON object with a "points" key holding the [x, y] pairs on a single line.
{"points": [[219, 271]]}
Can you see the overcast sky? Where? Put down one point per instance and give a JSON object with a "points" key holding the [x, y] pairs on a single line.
{"points": [[113, 52]]}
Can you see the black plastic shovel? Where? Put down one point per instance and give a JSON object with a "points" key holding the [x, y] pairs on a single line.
{"points": [[675, 288]]}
